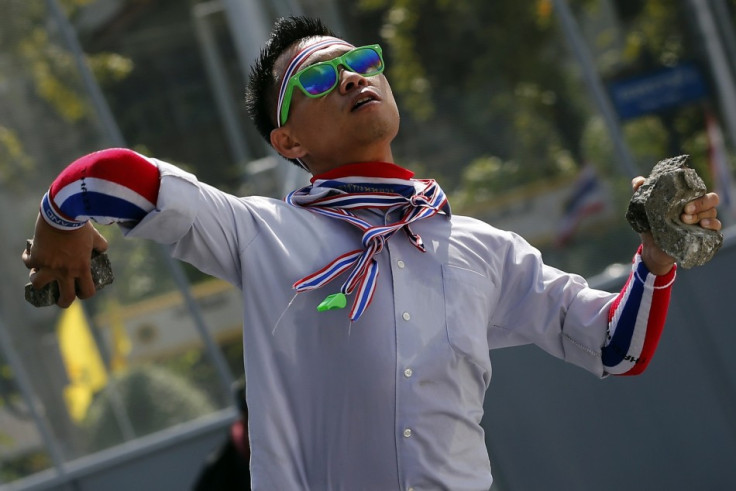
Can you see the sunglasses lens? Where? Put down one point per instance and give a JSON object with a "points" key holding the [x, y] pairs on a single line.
{"points": [[318, 79], [365, 61]]}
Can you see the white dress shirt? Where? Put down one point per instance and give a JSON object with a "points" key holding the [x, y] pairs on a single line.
{"points": [[393, 401]]}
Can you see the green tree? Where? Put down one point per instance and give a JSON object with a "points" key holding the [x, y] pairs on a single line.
{"points": [[496, 81], [27, 46], [492, 71], [500, 101], [153, 399]]}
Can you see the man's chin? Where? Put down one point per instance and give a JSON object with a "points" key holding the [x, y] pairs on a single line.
{"points": [[379, 129]]}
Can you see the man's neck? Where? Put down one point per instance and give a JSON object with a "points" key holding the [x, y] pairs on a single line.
{"points": [[377, 154]]}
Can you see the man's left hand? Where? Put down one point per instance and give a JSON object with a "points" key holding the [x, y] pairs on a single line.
{"points": [[701, 211]]}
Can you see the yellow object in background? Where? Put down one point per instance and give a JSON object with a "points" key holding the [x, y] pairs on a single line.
{"points": [[84, 365], [121, 345]]}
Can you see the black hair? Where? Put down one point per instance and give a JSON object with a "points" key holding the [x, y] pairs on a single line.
{"points": [[261, 93]]}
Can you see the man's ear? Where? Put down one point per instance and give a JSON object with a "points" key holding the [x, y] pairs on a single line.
{"points": [[285, 143]]}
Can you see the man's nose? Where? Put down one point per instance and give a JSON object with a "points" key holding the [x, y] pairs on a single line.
{"points": [[349, 80]]}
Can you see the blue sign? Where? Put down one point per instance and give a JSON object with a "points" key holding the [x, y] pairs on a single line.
{"points": [[658, 91]]}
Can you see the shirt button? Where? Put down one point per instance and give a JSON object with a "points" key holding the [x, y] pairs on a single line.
{"points": [[408, 372], [407, 433], [400, 263], [406, 316]]}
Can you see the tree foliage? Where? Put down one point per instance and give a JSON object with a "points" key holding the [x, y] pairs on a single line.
{"points": [[490, 70], [152, 398], [500, 75], [31, 47], [493, 98]]}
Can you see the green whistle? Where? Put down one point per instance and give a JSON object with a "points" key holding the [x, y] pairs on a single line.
{"points": [[332, 302]]}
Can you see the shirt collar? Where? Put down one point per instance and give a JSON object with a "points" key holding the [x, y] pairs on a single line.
{"points": [[366, 169]]}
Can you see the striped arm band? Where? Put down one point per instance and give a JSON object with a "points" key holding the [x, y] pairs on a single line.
{"points": [[54, 217], [109, 186], [636, 320]]}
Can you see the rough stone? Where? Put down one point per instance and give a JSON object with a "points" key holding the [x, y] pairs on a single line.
{"points": [[102, 275], [657, 205]]}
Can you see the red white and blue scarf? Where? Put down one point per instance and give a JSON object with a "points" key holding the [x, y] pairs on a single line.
{"points": [[378, 185]]}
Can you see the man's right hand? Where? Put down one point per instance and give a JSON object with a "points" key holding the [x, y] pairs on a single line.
{"points": [[63, 256]]}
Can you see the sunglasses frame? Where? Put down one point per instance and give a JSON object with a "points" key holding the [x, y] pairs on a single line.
{"points": [[336, 62]]}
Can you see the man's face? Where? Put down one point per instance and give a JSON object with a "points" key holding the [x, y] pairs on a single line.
{"points": [[356, 122]]}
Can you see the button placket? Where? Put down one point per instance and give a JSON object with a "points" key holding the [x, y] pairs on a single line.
{"points": [[405, 342]]}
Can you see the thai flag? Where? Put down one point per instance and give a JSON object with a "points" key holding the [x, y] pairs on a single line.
{"points": [[586, 198], [719, 167]]}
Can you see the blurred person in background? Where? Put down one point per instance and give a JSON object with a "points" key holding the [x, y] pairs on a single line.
{"points": [[370, 309], [227, 467]]}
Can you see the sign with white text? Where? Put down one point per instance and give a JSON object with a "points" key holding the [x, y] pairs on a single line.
{"points": [[658, 91]]}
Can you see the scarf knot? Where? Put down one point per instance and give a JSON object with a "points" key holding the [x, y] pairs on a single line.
{"points": [[337, 198]]}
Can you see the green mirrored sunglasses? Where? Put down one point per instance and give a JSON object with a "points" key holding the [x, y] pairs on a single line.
{"points": [[320, 79]]}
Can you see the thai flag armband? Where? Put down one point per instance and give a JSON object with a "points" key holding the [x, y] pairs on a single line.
{"points": [[55, 218]]}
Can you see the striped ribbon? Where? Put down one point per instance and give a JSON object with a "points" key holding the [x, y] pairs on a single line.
{"points": [[414, 199]]}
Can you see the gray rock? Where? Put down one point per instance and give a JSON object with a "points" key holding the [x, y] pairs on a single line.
{"points": [[657, 205], [48, 295]]}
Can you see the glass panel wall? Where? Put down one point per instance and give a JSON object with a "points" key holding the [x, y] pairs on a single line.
{"points": [[132, 360]]}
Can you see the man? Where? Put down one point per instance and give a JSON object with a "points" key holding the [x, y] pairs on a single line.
{"points": [[370, 309], [227, 467]]}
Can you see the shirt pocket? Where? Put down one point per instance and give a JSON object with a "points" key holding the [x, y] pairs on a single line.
{"points": [[469, 297]]}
